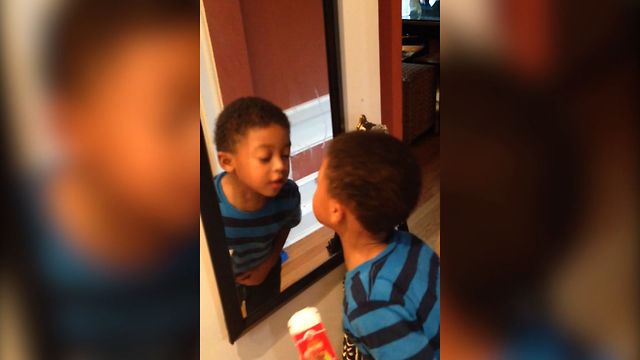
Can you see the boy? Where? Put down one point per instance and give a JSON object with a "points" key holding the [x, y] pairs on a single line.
{"points": [[369, 183], [259, 204]]}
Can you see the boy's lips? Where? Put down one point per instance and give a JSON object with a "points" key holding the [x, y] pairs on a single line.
{"points": [[276, 183]]}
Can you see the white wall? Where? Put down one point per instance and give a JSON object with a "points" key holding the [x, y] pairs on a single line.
{"points": [[270, 339], [210, 99], [360, 50]]}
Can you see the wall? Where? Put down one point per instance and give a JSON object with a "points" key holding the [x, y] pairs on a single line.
{"points": [[390, 23], [359, 47], [272, 49], [228, 41], [286, 45], [210, 94], [358, 22]]}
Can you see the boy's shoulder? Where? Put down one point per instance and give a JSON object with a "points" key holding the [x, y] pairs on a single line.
{"points": [[402, 246], [404, 241], [390, 275], [217, 183], [411, 255]]}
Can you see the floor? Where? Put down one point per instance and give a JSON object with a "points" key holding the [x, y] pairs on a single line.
{"points": [[425, 220], [306, 255]]}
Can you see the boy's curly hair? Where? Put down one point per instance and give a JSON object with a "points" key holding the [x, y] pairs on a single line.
{"points": [[375, 176], [243, 114]]}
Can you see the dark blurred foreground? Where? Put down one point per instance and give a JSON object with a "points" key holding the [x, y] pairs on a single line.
{"points": [[539, 181], [100, 180]]}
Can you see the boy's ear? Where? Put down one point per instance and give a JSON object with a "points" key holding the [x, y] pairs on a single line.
{"points": [[337, 212], [226, 161]]}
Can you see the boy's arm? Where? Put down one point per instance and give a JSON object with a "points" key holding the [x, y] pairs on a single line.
{"points": [[257, 275], [389, 330]]}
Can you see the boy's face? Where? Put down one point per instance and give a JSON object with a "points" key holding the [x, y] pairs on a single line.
{"points": [[327, 210], [260, 159], [133, 129]]}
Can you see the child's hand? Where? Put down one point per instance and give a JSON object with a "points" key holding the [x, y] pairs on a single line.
{"points": [[256, 275]]}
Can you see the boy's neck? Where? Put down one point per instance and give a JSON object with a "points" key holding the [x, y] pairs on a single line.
{"points": [[360, 246], [241, 196]]}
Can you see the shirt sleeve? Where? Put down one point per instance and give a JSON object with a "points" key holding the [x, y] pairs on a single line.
{"points": [[391, 336]]}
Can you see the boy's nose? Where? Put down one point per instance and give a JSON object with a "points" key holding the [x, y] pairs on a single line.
{"points": [[279, 165]]}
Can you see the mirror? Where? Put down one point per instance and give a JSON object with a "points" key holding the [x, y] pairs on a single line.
{"points": [[265, 242]]}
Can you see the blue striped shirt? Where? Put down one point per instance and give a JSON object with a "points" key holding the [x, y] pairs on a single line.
{"points": [[392, 302], [250, 235]]}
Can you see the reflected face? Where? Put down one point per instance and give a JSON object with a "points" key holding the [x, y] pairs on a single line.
{"points": [[133, 130], [261, 159]]}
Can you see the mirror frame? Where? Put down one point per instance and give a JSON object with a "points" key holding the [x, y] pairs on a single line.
{"points": [[212, 220]]}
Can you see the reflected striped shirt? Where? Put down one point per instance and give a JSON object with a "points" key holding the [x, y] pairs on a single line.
{"points": [[250, 235], [392, 302]]}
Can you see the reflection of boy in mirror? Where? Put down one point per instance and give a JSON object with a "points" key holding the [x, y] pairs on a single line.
{"points": [[259, 205], [369, 183]]}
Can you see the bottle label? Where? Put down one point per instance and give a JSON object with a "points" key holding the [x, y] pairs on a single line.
{"points": [[313, 344]]}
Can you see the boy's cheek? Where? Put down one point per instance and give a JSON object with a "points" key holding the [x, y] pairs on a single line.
{"points": [[250, 174], [317, 208]]}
